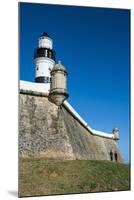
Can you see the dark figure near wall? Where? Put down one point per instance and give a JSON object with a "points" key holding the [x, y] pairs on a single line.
{"points": [[116, 156], [111, 155]]}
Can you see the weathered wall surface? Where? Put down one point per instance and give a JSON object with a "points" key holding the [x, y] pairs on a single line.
{"points": [[48, 131]]}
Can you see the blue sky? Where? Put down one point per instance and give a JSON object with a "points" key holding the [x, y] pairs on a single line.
{"points": [[94, 45]]}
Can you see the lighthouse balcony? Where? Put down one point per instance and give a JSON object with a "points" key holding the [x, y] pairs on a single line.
{"points": [[44, 52]]}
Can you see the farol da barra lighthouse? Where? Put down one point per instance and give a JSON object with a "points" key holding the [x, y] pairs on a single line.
{"points": [[44, 59], [49, 126]]}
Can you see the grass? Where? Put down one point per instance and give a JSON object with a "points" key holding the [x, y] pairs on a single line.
{"points": [[39, 176]]}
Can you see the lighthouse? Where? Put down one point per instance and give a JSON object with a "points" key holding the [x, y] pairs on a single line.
{"points": [[52, 75], [44, 58]]}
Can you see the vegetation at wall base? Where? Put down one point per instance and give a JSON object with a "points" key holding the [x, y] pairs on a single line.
{"points": [[40, 176]]}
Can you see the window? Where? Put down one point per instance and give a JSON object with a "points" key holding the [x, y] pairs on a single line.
{"points": [[50, 54], [116, 156], [45, 52], [111, 155], [46, 80]]}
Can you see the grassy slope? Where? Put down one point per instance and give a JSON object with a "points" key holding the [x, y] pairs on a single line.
{"points": [[41, 176]]}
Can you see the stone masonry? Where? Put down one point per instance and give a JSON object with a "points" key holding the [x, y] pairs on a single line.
{"points": [[46, 130]]}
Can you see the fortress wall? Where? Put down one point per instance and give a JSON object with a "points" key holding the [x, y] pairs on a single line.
{"points": [[40, 129], [48, 131], [86, 145]]}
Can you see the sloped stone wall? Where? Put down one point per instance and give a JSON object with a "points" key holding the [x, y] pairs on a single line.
{"points": [[84, 144], [50, 131]]}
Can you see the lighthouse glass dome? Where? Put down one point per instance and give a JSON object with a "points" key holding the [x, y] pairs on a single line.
{"points": [[45, 41]]}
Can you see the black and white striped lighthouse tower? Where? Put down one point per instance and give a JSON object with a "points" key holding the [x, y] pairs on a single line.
{"points": [[44, 59]]}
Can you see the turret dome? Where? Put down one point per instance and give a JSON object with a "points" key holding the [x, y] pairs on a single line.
{"points": [[115, 129], [59, 67], [116, 133]]}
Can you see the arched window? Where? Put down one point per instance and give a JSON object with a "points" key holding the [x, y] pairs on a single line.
{"points": [[111, 155], [116, 156]]}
